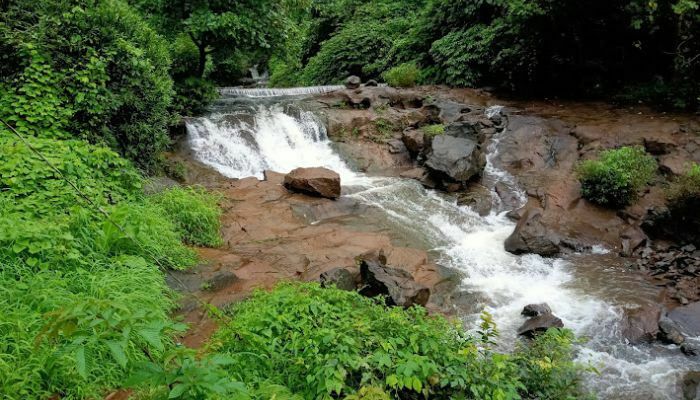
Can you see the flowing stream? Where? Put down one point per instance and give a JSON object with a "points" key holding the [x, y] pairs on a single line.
{"points": [[244, 136]]}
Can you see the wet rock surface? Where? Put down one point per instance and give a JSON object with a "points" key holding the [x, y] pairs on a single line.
{"points": [[539, 324], [534, 310], [691, 385], [531, 235], [321, 182], [641, 325]]}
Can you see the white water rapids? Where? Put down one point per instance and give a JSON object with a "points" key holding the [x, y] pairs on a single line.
{"points": [[244, 141]]}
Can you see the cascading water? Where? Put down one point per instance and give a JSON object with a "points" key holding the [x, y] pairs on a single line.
{"points": [[244, 139]]}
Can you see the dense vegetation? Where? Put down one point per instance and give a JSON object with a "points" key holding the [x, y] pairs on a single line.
{"points": [[639, 50], [89, 90], [617, 176]]}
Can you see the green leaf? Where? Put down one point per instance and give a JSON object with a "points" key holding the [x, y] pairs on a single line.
{"points": [[117, 351], [152, 335], [80, 362], [178, 390]]}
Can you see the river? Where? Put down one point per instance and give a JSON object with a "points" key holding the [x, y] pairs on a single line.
{"points": [[248, 132]]}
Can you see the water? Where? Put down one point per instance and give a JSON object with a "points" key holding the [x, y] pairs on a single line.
{"points": [[273, 92], [243, 138]]}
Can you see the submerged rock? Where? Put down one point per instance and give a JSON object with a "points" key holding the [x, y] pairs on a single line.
{"points": [[534, 310], [641, 325], [398, 285], [317, 181], [539, 324], [690, 349], [353, 82], [532, 236], [341, 278]]}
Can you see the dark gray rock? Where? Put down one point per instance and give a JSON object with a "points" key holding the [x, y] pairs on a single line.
{"points": [[371, 83], [457, 158], [641, 325], [397, 285], [687, 318], [341, 278], [353, 82], [396, 146], [532, 236], [534, 310], [690, 349], [539, 324], [669, 332]]}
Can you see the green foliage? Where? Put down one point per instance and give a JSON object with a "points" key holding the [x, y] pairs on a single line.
{"points": [[547, 368], [78, 332], [33, 187], [328, 343], [194, 211], [433, 130], [404, 75], [384, 130], [91, 70], [615, 178], [683, 195]]}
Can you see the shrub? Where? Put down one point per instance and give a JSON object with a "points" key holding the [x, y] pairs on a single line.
{"points": [[404, 75], [195, 213], [329, 343], [33, 187], [433, 130], [614, 179]]}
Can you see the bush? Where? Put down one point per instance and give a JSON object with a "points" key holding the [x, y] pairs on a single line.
{"points": [[615, 178], [85, 69], [195, 213], [33, 187], [404, 75], [328, 343]]}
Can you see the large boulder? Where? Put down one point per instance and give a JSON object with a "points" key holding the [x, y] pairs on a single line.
{"points": [[641, 325], [532, 236], [458, 159], [353, 82], [540, 324], [321, 182], [341, 278], [397, 285]]}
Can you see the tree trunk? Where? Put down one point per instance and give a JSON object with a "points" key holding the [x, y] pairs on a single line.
{"points": [[202, 59]]}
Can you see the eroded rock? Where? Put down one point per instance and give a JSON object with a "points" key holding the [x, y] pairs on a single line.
{"points": [[321, 182], [398, 285], [669, 332], [691, 385]]}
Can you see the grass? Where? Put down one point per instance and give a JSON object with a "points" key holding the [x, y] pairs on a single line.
{"points": [[433, 130]]}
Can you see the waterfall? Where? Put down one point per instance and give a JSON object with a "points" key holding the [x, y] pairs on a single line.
{"points": [[273, 92], [241, 143]]}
